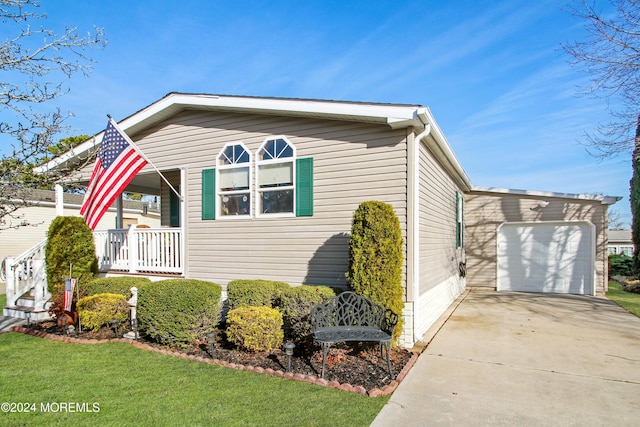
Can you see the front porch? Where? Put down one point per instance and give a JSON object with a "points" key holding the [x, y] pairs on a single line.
{"points": [[153, 251], [140, 250]]}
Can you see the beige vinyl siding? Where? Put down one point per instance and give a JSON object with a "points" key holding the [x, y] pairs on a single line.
{"points": [[486, 211], [439, 257], [353, 162]]}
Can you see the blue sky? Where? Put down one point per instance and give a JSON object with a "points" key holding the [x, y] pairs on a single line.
{"points": [[492, 72]]}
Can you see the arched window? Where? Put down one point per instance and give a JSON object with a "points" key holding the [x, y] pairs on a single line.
{"points": [[276, 177], [234, 180]]}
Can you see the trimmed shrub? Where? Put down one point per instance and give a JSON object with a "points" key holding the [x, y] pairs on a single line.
{"points": [[179, 311], [255, 328], [254, 293], [375, 257], [69, 241], [98, 310], [295, 305], [620, 265], [114, 285]]}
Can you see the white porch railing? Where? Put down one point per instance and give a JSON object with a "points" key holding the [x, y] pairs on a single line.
{"points": [[27, 273], [140, 250]]}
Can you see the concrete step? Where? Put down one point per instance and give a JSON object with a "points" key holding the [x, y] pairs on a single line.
{"points": [[24, 312]]}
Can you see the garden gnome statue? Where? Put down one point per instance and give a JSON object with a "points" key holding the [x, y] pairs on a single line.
{"points": [[133, 303]]}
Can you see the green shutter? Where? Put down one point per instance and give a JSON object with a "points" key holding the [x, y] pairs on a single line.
{"points": [[304, 187], [209, 193]]}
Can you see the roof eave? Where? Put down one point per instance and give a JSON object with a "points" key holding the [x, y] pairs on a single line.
{"points": [[392, 115]]}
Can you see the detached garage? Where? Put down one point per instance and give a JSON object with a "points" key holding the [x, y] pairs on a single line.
{"points": [[554, 257], [533, 241]]}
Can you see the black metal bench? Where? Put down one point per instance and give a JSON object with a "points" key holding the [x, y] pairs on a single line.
{"points": [[351, 317]]}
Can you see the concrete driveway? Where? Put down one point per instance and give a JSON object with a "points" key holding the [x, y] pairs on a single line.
{"points": [[520, 359]]}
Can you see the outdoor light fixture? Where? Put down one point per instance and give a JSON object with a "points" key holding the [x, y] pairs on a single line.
{"points": [[288, 350], [540, 205], [211, 340], [28, 315], [114, 325]]}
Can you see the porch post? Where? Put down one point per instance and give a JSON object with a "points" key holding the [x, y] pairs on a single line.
{"points": [[9, 282], [119, 203], [59, 200], [183, 220]]}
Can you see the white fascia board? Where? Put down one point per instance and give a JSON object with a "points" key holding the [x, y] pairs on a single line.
{"points": [[446, 153], [394, 116], [605, 200]]}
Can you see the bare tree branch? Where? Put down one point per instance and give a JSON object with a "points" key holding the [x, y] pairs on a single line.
{"points": [[610, 54], [35, 62]]}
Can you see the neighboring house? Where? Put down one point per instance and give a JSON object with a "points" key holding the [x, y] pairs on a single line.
{"points": [[620, 242], [269, 187], [41, 210]]}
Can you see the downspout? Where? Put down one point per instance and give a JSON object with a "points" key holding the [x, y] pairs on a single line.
{"points": [[414, 153]]}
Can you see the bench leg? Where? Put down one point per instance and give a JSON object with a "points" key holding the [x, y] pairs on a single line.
{"points": [[325, 349], [387, 346]]}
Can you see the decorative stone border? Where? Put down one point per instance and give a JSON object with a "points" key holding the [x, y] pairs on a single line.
{"points": [[376, 392]]}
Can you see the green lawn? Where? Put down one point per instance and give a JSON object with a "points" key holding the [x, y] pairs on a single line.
{"points": [[627, 300], [135, 387], [3, 300]]}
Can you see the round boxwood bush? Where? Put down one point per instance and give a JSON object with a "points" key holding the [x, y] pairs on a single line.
{"points": [[114, 285], [375, 257], [255, 328], [255, 293], [98, 310], [295, 305], [179, 311]]}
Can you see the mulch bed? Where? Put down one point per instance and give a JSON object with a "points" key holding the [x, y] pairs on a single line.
{"points": [[357, 368]]}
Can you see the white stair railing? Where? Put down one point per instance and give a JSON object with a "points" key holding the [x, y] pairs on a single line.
{"points": [[26, 273]]}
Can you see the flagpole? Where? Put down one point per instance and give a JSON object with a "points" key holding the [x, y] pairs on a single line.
{"points": [[144, 156]]}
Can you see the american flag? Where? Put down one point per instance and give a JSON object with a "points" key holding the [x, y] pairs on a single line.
{"points": [[117, 163], [69, 284]]}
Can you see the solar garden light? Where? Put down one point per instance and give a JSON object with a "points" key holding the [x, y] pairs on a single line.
{"points": [[28, 315], [211, 340], [114, 325], [288, 349]]}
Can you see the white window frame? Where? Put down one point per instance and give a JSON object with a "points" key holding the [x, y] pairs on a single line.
{"points": [[220, 193], [292, 187]]}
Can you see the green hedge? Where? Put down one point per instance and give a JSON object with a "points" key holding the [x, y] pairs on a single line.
{"points": [[255, 328], [179, 311], [295, 305], [114, 285], [254, 293], [98, 310]]}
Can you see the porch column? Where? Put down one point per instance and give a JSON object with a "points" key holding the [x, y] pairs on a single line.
{"points": [[59, 200], [119, 204]]}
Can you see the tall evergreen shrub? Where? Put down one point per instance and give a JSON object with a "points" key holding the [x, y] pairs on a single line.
{"points": [[69, 241], [375, 257]]}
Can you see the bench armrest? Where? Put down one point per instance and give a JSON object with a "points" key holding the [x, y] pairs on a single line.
{"points": [[389, 322]]}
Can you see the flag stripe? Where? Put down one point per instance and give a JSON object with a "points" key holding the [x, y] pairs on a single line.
{"points": [[111, 188], [117, 164]]}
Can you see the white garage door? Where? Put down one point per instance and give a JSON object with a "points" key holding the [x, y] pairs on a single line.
{"points": [[546, 257]]}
